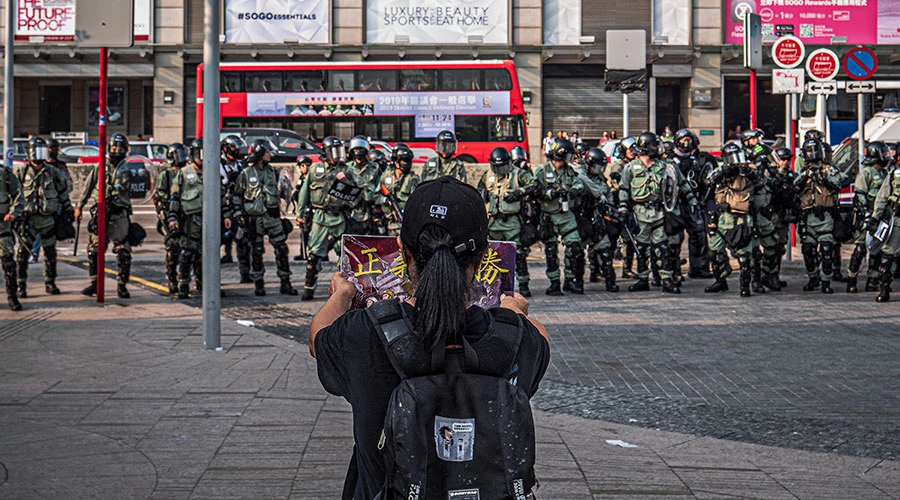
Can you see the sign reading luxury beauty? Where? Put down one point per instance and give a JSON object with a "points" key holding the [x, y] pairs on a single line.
{"points": [[265, 21], [437, 21]]}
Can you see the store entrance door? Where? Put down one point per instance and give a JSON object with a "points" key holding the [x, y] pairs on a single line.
{"points": [[56, 109]]}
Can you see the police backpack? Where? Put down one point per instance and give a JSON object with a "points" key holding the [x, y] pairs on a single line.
{"points": [[456, 427]]}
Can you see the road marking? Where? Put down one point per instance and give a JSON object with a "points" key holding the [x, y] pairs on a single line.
{"points": [[136, 279]]}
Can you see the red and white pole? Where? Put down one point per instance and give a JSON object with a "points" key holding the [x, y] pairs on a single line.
{"points": [[101, 182], [752, 99]]}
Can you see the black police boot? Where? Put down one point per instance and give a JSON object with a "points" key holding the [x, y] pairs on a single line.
{"points": [[771, 282], [92, 272], [312, 277], [51, 288], [641, 285], [627, 263], [183, 291], [608, 272], [524, 290], [90, 289], [838, 276], [852, 285], [286, 288], [872, 284], [123, 259], [656, 281], [246, 278], [668, 286], [887, 276], [826, 287], [22, 273], [746, 276], [594, 276], [50, 271], [812, 284], [23, 290], [720, 285], [553, 290], [699, 273], [226, 259], [9, 268], [122, 291], [572, 285], [259, 288]]}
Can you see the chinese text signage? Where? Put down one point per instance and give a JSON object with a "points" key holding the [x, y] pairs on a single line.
{"points": [[434, 21]]}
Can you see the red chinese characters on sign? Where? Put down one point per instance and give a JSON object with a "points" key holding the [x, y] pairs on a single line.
{"points": [[788, 52]]}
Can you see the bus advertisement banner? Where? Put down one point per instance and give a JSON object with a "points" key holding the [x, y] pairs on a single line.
{"points": [[264, 21], [378, 103], [437, 21], [815, 22]]}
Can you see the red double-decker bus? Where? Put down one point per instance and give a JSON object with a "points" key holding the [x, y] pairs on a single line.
{"points": [[390, 101]]}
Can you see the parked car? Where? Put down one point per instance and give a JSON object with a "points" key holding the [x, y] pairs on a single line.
{"points": [[155, 151], [80, 153], [290, 144]]}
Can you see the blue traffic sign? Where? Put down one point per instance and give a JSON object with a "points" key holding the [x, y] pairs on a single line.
{"points": [[860, 63]]}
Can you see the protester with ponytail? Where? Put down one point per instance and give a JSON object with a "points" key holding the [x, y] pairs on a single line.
{"points": [[443, 238]]}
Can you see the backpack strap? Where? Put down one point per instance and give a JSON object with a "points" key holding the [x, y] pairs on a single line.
{"points": [[508, 327], [391, 323]]}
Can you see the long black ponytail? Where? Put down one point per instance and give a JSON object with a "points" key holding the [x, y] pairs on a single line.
{"points": [[442, 287]]}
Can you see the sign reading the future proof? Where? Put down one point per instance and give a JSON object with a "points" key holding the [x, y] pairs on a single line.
{"points": [[437, 21]]}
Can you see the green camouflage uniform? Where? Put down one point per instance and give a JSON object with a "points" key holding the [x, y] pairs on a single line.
{"points": [[401, 188], [641, 186], [887, 208], [557, 221], [503, 196], [164, 185], [734, 203], [369, 174], [818, 185], [766, 244], [11, 202], [439, 167], [46, 194], [118, 211], [256, 201], [868, 183]]}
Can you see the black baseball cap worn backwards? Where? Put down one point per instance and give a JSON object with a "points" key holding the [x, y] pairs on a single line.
{"points": [[452, 205]]}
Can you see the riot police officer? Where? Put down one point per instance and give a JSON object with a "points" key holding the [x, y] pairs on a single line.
{"points": [[329, 213], [63, 167], [118, 213], [599, 212], [503, 188], [46, 194], [731, 225], [868, 183], [234, 151], [624, 154], [186, 210], [695, 165], [887, 209], [554, 180], [641, 190], [299, 175], [766, 238], [445, 163], [519, 158], [817, 186], [400, 183], [785, 214], [362, 216], [12, 207], [378, 157], [256, 200], [169, 225]]}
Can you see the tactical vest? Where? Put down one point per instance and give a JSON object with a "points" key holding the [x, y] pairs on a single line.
{"points": [[736, 193], [876, 179], [551, 179], [117, 187], [317, 179], [261, 192], [894, 195], [645, 182], [401, 188], [5, 195], [815, 194], [191, 191], [498, 189], [39, 190]]}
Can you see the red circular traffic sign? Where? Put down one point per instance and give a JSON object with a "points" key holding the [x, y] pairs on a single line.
{"points": [[822, 65], [788, 52]]}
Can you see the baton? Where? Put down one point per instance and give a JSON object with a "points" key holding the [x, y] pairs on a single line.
{"points": [[393, 201], [77, 233]]}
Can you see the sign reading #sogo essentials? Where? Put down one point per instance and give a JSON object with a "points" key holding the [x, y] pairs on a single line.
{"points": [[267, 21], [437, 21]]}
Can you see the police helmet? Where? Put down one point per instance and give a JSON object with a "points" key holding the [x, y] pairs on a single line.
{"points": [[686, 141], [813, 134], [118, 141], [37, 150], [53, 148], [177, 155], [258, 151], [813, 151], [500, 161], [304, 160], [783, 154], [394, 151], [333, 149], [732, 154], [753, 133], [197, 151], [877, 153], [234, 147], [378, 157], [625, 145], [581, 148], [647, 145], [358, 148], [596, 161], [562, 150], [445, 143], [404, 157], [668, 149], [518, 156]]}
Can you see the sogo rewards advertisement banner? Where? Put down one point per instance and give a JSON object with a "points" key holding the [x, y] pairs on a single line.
{"points": [[53, 21], [816, 21], [274, 21], [437, 21]]}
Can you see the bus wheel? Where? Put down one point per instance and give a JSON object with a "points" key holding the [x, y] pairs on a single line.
{"points": [[466, 159]]}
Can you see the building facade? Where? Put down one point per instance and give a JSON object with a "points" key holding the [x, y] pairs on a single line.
{"points": [[696, 78]]}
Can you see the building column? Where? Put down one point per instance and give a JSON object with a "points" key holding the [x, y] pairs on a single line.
{"points": [[707, 76], [528, 68], [168, 119]]}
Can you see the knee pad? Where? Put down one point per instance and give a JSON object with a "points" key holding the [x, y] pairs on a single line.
{"points": [[257, 248], [574, 249], [827, 248], [281, 248]]}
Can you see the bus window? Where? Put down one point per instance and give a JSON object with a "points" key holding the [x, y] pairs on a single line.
{"points": [[497, 79], [841, 107], [418, 80], [377, 80], [887, 99], [507, 128], [262, 81], [231, 81], [304, 81], [384, 129], [406, 129], [472, 128], [461, 79], [808, 106], [341, 81], [343, 129]]}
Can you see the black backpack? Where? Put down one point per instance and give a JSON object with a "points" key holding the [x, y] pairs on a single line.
{"points": [[456, 427]]}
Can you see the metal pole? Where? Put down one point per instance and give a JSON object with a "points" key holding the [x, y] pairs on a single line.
{"points": [[9, 85], [752, 99], [212, 186], [101, 181], [821, 103], [652, 96], [624, 115], [861, 123], [788, 140]]}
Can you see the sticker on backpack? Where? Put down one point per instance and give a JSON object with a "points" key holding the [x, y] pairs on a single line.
{"points": [[467, 494], [454, 438]]}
